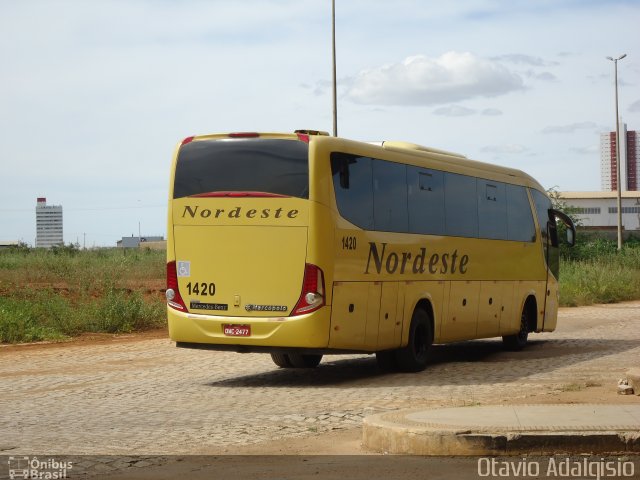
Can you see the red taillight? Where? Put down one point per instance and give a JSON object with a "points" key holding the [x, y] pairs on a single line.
{"points": [[237, 194], [312, 296], [173, 293], [187, 140], [303, 137], [244, 135]]}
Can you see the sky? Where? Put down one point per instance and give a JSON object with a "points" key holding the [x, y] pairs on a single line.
{"points": [[97, 94]]}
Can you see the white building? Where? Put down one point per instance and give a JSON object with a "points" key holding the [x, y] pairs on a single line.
{"points": [[599, 210], [629, 160], [48, 224]]}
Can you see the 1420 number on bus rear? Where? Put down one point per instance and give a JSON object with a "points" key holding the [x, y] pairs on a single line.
{"points": [[203, 289]]}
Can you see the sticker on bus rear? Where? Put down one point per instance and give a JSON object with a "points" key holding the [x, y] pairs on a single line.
{"points": [[184, 269]]}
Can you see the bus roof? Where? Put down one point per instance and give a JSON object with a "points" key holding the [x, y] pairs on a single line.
{"points": [[415, 154]]}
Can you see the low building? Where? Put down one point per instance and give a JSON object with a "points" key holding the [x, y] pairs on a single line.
{"points": [[136, 242], [9, 244], [599, 210]]}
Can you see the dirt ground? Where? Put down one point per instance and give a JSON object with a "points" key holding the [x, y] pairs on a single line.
{"points": [[348, 442]]}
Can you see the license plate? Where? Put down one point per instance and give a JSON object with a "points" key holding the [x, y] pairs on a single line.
{"points": [[237, 330]]}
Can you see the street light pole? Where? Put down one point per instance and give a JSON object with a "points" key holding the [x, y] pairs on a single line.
{"points": [[333, 58], [619, 185]]}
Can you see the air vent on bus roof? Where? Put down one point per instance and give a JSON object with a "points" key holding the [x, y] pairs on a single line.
{"points": [[313, 132], [398, 146]]}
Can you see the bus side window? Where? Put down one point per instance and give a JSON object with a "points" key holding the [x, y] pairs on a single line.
{"points": [[353, 187], [461, 205], [520, 226], [425, 190], [344, 174], [390, 212], [492, 209], [542, 204]]}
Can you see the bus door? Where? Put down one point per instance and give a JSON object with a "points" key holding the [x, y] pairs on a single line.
{"points": [[552, 252]]}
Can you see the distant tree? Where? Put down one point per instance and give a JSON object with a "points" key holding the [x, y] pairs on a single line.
{"points": [[70, 249], [21, 247]]}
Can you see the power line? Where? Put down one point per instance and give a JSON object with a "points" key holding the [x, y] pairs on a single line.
{"points": [[89, 209]]}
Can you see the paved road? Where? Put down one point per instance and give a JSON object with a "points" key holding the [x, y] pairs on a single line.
{"points": [[148, 397]]}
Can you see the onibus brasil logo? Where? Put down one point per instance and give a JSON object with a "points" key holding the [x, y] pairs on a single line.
{"points": [[35, 468]]}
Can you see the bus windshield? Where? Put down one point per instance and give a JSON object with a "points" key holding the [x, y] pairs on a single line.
{"points": [[272, 166]]}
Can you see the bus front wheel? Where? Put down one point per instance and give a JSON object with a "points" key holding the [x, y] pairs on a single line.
{"points": [[415, 356]]}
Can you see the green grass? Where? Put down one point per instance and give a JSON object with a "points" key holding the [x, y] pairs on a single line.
{"points": [[82, 268], [595, 272], [56, 294]]}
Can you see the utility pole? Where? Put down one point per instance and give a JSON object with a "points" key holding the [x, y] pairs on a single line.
{"points": [[619, 184], [333, 57]]}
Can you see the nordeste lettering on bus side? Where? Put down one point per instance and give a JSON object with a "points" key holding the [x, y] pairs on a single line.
{"points": [[405, 262]]}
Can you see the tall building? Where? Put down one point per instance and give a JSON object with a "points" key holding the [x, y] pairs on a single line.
{"points": [[48, 224], [629, 160]]}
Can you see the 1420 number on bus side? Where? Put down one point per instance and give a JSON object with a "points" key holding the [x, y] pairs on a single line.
{"points": [[348, 243]]}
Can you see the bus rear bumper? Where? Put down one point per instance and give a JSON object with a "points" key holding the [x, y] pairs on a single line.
{"points": [[266, 333]]}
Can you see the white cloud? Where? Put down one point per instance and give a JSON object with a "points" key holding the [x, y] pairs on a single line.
{"points": [[544, 76], [420, 80], [454, 111], [635, 106], [572, 128], [491, 112]]}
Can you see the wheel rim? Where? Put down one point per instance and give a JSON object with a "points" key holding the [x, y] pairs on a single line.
{"points": [[523, 333]]}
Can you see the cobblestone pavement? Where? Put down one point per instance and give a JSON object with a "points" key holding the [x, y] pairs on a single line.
{"points": [[148, 397]]}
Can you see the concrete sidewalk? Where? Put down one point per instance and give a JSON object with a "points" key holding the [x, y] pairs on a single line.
{"points": [[506, 430]]}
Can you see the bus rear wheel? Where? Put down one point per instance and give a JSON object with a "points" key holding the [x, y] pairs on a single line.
{"points": [[519, 340], [295, 360], [281, 360], [415, 356], [304, 361]]}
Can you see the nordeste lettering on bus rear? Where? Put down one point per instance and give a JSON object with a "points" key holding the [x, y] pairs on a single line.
{"points": [[406, 262], [237, 212]]}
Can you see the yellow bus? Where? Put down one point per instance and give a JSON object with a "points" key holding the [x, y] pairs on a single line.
{"points": [[300, 245]]}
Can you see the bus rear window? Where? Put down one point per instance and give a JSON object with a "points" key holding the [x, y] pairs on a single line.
{"points": [[257, 165]]}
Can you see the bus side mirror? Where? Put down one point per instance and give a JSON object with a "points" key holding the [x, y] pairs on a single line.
{"points": [[571, 237], [568, 223]]}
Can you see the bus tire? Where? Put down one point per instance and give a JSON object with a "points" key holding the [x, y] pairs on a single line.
{"points": [[518, 341], [281, 360], [415, 356], [304, 361]]}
